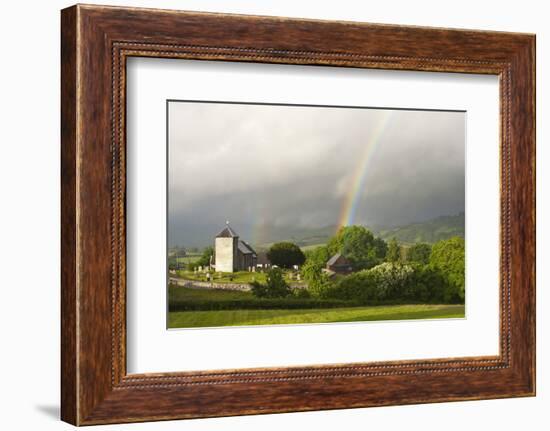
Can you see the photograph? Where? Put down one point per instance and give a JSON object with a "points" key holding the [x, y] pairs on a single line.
{"points": [[307, 214]]}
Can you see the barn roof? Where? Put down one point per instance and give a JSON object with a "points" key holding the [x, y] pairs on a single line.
{"points": [[227, 232], [337, 258]]}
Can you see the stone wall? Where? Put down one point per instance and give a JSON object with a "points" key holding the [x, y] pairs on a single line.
{"points": [[209, 285]]}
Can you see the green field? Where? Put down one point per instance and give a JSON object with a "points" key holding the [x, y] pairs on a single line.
{"points": [[198, 319], [312, 246], [189, 258], [190, 295]]}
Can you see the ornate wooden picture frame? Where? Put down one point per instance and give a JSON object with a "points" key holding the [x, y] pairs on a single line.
{"points": [[96, 41]]}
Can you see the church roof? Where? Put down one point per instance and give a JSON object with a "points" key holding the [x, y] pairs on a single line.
{"points": [[245, 248], [227, 232]]}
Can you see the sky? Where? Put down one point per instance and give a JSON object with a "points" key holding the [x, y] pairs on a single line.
{"points": [[267, 167]]}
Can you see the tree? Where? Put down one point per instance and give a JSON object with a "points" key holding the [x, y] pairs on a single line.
{"points": [[448, 257], [319, 255], [359, 246], [317, 281], [285, 255], [393, 253], [381, 247], [428, 284], [275, 286], [204, 260], [419, 253], [312, 270]]}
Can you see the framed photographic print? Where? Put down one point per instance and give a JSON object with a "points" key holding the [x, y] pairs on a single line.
{"points": [[322, 214]]}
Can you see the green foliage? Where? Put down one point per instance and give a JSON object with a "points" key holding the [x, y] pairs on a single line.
{"points": [[392, 283], [317, 281], [448, 257], [380, 247], [203, 261], [301, 293], [360, 286], [318, 255], [393, 280], [419, 253], [359, 246], [285, 254], [393, 254], [427, 284], [275, 286], [290, 303], [312, 270], [191, 266]]}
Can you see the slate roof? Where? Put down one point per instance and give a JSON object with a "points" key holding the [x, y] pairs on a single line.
{"points": [[227, 232], [245, 248], [337, 259]]}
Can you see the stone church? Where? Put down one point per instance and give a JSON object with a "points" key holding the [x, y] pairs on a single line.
{"points": [[233, 254]]}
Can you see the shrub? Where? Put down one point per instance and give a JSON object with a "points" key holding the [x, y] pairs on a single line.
{"points": [[393, 280], [289, 303], [301, 293], [275, 286], [383, 283], [360, 286]]}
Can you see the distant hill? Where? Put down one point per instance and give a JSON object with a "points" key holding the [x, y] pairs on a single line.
{"points": [[303, 237], [430, 231]]}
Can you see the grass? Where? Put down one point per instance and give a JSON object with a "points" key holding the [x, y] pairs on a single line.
{"points": [[185, 294], [189, 258], [201, 319], [242, 277], [312, 246]]}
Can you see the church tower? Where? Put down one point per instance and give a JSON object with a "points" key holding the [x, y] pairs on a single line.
{"points": [[225, 248]]}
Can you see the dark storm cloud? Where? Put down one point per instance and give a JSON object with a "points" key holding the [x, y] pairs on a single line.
{"points": [[294, 166]]}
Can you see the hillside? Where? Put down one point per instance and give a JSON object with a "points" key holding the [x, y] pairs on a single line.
{"points": [[303, 237], [430, 231]]}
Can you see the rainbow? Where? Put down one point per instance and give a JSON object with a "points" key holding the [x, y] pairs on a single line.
{"points": [[352, 198], [260, 227]]}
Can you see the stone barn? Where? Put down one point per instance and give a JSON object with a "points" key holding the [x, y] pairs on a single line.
{"points": [[338, 264]]}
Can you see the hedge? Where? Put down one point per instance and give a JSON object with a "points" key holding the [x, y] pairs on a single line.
{"points": [[259, 304]]}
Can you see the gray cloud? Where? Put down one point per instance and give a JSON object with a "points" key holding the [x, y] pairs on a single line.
{"points": [[294, 166]]}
